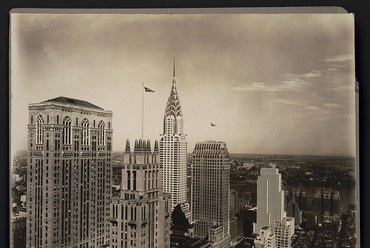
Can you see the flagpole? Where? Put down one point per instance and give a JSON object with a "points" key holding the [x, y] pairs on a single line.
{"points": [[142, 113]]}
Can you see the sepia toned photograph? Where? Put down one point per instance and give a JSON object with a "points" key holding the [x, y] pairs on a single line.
{"points": [[203, 130]]}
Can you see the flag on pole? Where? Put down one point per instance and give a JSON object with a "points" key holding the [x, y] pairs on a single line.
{"points": [[148, 90]]}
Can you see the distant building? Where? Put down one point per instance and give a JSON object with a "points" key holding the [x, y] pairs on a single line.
{"points": [[234, 203], [284, 232], [270, 198], [294, 211], [140, 217], [248, 166], [303, 201], [181, 229], [17, 177], [326, 202], [236, 230], [210, 192], [173, 152], [318, 201], [69, 174], [266, 238], [18, 232], [335, 199], [249, 218], [311, 218]]}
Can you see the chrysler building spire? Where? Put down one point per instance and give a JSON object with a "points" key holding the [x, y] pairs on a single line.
{"points": [[173, 151], [173, 122], [174, 68]]}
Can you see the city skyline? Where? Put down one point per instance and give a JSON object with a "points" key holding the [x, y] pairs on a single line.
{"points": [[272, 84]]}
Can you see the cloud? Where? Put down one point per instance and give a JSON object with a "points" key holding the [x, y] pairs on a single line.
{"points": [[289, 82], [313, 108], [284, 101], [315, 73], [256, 86], [332, 105], [301, 77], [340, 58], [291, 85]]}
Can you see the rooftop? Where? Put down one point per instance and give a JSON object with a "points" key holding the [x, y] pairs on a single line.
{"points": [[72, 102]]}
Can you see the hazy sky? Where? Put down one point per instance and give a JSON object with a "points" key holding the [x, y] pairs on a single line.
{"points": [[272, 84]]}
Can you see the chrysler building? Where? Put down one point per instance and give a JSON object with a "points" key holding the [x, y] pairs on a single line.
{"points": [[173, 151]]}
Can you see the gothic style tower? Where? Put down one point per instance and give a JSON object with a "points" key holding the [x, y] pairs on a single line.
{"points": [[173, 151], [68, 174], [140, 217]]}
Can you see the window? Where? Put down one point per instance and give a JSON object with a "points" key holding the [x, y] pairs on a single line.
{"points": [[101, 127], [85, 131], [128, 180], [67, 131], [39, 130], [134, 175]]}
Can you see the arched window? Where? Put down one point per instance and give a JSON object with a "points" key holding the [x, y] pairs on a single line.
{"points": [[128, 179], [67, 131], [85, 131], [101, 136], [39, 130], [134, 180]]}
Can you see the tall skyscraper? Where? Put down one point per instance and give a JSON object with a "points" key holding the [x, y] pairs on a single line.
{"points": [[210, 192], [270, 198], [69, 174], [141, 215], [173, 151]]}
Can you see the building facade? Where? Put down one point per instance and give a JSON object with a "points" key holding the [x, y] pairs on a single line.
{"points": [[140, 217], [18, 232], [270, 198], [210, 192], [69, 174], [294, 211], [173, 152], [284, 231], [266, 238], [234, 203]]}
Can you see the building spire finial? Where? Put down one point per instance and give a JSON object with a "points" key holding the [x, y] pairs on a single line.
{"points": [[174, 67]]}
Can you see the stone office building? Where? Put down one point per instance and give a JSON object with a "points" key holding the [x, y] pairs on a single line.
{"points": [[140, 217], [69, 174], [210, 192]]}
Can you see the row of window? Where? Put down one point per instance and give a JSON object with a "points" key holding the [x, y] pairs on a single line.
{"points": [[47, 120], [67, 134]]}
